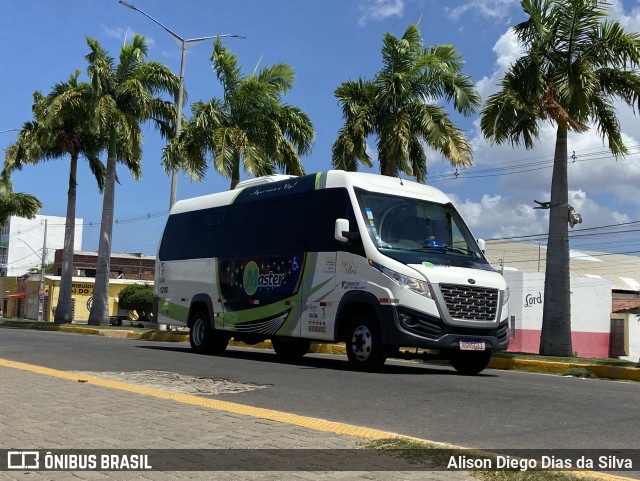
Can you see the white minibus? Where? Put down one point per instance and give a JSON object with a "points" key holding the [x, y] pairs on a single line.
{"points": [[376, 262]]}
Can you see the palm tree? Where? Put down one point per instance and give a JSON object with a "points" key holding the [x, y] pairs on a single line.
{"points": [[61, 128], [575, 65], [15, 203], [124, 96], [249, 127], [394, 107]]}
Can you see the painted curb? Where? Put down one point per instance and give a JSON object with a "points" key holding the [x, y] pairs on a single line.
{"points": [[554, 367]]}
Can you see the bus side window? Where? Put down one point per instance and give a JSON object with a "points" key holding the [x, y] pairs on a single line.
{"points": [[274, 226], [329, 205]]}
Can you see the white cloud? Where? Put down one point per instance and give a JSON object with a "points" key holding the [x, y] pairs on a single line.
{"points": [[629, 20], [595, 169], [372, 152], [380, 9], [594, 214], [497, 216], [115, 32], [507, 50], [493, 9], [124, 34]]}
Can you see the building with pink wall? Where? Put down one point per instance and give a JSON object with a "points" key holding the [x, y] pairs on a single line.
{"points": [[590, 313], [599, 281]]}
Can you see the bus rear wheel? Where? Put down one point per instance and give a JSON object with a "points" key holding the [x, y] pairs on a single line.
{"points": [[470, 363], [364, 347], [203, 338], [291, 349]]}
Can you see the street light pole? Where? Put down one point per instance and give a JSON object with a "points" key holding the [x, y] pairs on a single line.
{"points": [[184, 43], [41, 291]]}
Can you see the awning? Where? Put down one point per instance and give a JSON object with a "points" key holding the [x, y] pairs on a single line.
{"points": [[15, 296]]}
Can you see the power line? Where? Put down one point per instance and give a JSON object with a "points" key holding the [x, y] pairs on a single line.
{"points": [[519, 166], [572, 234]]}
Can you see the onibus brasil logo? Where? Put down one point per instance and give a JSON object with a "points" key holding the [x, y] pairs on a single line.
{"points": [[252, 280]]}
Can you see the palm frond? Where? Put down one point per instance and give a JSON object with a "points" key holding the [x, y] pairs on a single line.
{"points": [[390, 106], [18, 204], [225, 64], [280, 76]]}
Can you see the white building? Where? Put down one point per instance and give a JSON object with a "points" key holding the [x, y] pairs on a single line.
{"points": [[590, 313], [22, 241]]}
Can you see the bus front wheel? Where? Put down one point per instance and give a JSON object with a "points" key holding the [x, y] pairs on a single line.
{"points": [[364, 347], [470, 362]]}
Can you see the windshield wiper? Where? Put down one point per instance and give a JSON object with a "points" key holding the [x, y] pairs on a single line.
{"points": [[460, 250], [444, 248]]}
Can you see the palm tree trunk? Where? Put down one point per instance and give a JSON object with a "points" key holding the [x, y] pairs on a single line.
{"points": [[235, 173], [555, 338], [99, 314], [63, 312], [388, 169]]}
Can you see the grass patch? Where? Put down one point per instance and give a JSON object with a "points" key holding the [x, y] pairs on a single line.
{"points": [[581, 372], [530, 476], [436, 457]]}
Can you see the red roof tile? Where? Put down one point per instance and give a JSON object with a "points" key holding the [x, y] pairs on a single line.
{"points": [[624, 305]]}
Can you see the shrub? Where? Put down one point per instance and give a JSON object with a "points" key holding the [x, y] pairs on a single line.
{"points": [[137, 298]]}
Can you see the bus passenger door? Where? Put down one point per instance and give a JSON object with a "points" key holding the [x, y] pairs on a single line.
{"points": [[318, 297]]}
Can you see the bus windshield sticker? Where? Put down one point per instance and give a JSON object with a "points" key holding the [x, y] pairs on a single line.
{"points": [[369, 213]]}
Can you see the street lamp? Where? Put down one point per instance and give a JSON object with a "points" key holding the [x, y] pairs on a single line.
{"points": [[184, 43]]}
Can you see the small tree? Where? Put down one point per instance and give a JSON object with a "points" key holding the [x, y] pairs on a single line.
{"points": [[137, 298], [48, 269]]}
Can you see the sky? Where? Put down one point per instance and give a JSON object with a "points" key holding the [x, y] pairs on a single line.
{"points": [[326, 42]]}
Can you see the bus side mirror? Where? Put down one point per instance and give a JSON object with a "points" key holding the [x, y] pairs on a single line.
{"points": [[482, 245], [342, 232]]}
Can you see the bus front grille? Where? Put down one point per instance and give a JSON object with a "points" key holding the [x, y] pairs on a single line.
{"points": [[470, 302]]}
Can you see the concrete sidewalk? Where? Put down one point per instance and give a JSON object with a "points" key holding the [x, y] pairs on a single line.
{"points": [[50, 410]]}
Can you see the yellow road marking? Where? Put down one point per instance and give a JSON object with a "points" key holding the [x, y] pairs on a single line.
{"points": [[279, 416], [270, 414]]}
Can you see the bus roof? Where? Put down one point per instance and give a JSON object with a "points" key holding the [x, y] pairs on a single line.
{"points": [[269, 186]]}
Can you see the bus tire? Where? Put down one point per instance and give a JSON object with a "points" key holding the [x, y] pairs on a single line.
{"points": [[364, 347], [290, 349], [470, 363], [203, 338]]}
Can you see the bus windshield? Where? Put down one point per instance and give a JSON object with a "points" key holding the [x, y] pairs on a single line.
{"points": [[414, 231]]}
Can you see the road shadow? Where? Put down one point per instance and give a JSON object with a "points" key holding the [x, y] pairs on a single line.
{"points": [[319, 361]]}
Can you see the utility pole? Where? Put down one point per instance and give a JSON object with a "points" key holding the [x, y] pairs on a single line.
{"points": [[41, 291]]}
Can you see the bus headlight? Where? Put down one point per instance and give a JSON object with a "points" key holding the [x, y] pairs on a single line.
{"points": [[415, 285], [505, 297]]}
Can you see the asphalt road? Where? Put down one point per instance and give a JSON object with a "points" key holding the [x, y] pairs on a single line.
{"points": [[498, 409]]}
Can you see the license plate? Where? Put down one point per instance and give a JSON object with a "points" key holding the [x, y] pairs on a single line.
{"points": [[471, 345]]}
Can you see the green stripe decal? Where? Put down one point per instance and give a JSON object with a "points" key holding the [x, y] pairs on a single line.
{"points": [[173, 311]]}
